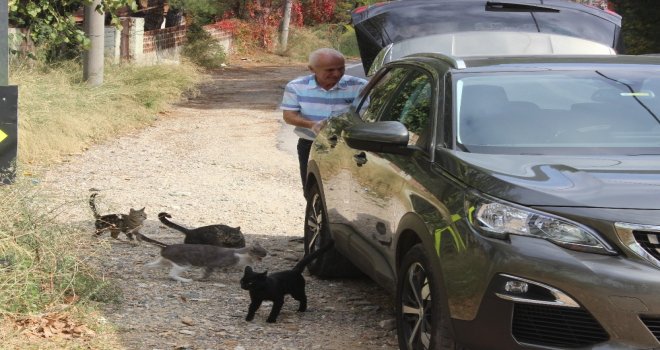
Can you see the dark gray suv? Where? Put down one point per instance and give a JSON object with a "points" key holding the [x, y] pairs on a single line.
{"points": [[506, 202]]}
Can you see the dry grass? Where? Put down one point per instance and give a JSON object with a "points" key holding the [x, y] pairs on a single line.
{"points": [[302, 41], [48, 290], [60, 115]]}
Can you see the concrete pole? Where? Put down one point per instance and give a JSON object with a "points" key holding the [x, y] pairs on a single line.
{"points": [[4, 43], [93, 58], [284, 28]]}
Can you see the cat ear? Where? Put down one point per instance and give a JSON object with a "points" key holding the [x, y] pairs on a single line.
{"points": [[248, 269]]}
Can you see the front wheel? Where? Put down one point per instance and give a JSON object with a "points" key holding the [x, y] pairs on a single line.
{"points": [[422, 321], [317, 234]]}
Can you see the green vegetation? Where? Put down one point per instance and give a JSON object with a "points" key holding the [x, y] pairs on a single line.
{"points": [[202, 49], [640, 25], [52, 26]]}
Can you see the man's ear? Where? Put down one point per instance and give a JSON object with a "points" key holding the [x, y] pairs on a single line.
{"points": [[311, 69]]}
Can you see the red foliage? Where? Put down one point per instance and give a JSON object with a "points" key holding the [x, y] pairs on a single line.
{"points": [[320, 11], [226, 25], [264, 20], [264, 17], [296, 14]]}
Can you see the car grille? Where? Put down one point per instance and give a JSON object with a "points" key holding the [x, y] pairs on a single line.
{"points": [[556, 326], [653, 324], [650, 241], [642, 240]]}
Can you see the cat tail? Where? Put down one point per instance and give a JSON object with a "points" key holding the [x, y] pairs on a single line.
{"points": [[163, 218], [149, 240], [91, 205], [300, 266]]}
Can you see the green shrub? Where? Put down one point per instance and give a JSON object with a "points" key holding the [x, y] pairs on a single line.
{"points": [[202, 49]]}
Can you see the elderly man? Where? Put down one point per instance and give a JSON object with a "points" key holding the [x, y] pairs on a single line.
{"points": [[309, 100]]}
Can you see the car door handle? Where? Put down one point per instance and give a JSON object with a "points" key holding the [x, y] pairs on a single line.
{"points": [[360, 158], [386, 241], [332, 140]]}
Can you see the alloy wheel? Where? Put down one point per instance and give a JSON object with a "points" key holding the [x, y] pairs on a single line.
{"points": [[314, 223], [416, 305]]}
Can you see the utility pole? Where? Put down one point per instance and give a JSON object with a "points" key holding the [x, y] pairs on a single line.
{"points": [[4, 42], [93, 58], [8, 105], [284, 28]]}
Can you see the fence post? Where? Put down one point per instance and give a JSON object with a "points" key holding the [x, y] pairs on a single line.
{"points": [[136, 44], [112, 45]]}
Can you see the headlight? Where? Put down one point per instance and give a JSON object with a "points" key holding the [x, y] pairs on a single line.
{"points": [[499, 219]]}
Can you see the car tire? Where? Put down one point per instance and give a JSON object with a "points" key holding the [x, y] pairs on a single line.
{"points": [[332, 263], [421, 318]]}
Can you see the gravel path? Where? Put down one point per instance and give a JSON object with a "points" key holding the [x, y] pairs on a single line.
{"points": [[215, 159]]}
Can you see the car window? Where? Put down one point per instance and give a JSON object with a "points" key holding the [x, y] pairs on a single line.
{"points": [[411, 105], [380, 94], [603, 111]]}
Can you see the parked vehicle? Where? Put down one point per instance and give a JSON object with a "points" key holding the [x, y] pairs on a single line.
{"points": [[560, 26], [506, 202]]}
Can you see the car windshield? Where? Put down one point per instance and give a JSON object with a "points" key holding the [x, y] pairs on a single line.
{"points": [[601, 111]]}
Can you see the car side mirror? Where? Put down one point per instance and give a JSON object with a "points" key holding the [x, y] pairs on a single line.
{"points": [[386, 137]]}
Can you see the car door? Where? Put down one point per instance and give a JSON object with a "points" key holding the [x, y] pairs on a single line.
{"points": [[377, 198], [335, 159]]}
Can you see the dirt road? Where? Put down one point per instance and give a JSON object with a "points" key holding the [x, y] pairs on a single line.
{"points": [[216, 159]]}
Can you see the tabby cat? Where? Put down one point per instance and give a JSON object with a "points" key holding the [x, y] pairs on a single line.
{"points": [[129, 223], [219, 235], [275, 286], [180, 257]]}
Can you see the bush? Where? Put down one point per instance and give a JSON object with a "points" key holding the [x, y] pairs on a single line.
{"points": [[202, 49]]}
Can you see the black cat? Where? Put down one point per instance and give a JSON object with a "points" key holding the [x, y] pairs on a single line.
{"points": [[275, 286], [218, 235]]}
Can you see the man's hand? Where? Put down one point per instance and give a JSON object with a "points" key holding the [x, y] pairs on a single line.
{"points": [[316, 128]]}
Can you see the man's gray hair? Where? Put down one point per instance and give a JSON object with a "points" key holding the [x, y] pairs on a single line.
{"points": [[325, 51]]}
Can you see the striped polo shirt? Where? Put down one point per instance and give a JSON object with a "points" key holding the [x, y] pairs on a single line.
{"points": [[315, 103]]}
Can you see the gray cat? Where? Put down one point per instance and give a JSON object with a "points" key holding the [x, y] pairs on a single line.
{"points": [[129, 223], [180, 257]]}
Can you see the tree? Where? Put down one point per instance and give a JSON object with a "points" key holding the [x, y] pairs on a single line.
{"points": [[640, 25], [51, 24]]}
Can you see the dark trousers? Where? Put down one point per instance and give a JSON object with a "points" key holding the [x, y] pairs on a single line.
{"points": [[304, 146]]}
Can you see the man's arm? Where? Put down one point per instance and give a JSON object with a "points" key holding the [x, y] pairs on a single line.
{"points": [[294, 118]]}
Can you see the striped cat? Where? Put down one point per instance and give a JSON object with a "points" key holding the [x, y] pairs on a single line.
{"points": [[129, 223]]}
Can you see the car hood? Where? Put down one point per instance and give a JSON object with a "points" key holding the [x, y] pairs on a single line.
{"points": [[378, 25], [626, 182]]}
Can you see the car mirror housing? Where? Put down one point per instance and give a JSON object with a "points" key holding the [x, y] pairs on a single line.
{"points": [[386, 136]]}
